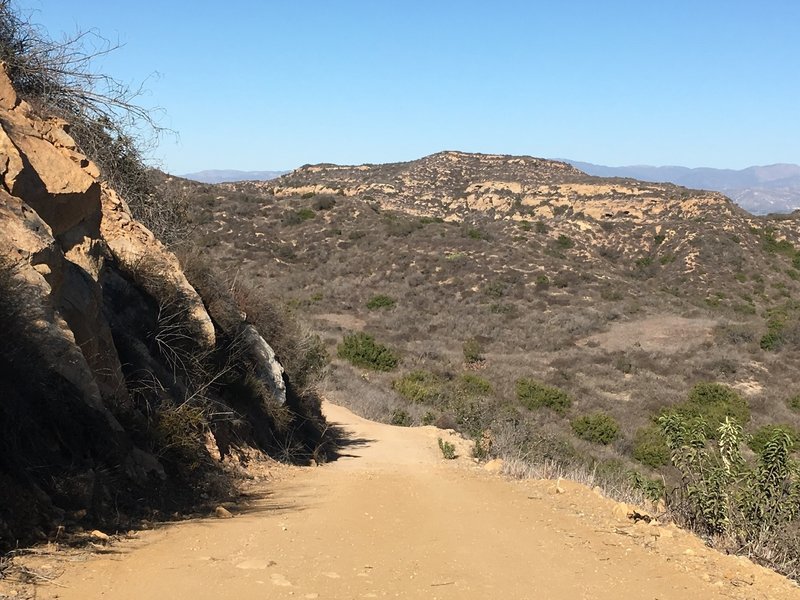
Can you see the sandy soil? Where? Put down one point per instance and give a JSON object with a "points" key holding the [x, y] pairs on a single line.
{"points": [[394, 520], [664, 333]]}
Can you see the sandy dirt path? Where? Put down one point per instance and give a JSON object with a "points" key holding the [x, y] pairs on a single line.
{"points": [[394, 520]]}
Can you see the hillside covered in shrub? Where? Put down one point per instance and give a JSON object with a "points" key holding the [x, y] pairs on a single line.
{"points": [[551, 316]]}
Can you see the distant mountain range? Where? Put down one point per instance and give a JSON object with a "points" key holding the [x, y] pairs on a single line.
{"points": [[759, 190], [226, 175]]}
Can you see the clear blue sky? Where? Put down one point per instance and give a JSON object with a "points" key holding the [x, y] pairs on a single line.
{"points": [[259, 85]]}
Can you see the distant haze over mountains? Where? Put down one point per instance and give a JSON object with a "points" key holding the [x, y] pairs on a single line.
{"points": [[759, 190], [226, 175]]}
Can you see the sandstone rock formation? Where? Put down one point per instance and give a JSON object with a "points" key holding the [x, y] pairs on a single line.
{"points": [[89, 285], [452, 185]]}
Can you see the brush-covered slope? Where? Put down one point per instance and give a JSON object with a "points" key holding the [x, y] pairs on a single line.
{"points": [[550, 315], [622, 293]]}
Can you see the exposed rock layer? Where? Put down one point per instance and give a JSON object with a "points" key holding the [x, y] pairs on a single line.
{"points": [[87, 288]]}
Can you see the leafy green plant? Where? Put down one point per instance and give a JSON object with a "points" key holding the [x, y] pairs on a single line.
{"points": [[534, 394], [650, 447], [381, 301], [598, 428], [711, 403], [476, 234], [564, 242], [401, 418], [362, 350], [793, 402], [448, 449], [420, 387], [652, 489], [759, 440], [473, 385], [744, 504]]}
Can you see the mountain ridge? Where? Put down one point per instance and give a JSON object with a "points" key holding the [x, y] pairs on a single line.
{"points": [[758, 189], [232, 175]]}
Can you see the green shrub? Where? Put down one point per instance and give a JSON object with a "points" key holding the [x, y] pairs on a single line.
{"points": [[793, 402], [495, 289], [710, 403], [541, 227], [598, 428], [721, 494], [774, 246], [298, 216], [758, 441], [401, 418], [420, 387], [448, 449], [362, 351], [542, 281], [474, 385], [472, 351], [650, 447], [534, 394], [381, 301], [476, 234], [771, 340], [652, 489], [564, 242]]}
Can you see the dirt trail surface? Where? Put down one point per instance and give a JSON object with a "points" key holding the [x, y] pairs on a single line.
{"points": [[392, 519]]}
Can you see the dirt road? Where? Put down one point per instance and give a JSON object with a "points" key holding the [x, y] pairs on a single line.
{"points": [[395, 520]]}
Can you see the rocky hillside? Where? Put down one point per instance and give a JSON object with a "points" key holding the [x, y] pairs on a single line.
{"points": [[452, 185], [120, 383]]}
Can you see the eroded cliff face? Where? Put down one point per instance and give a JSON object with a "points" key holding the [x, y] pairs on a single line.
{"points": [[455, 185], [88, 286]]}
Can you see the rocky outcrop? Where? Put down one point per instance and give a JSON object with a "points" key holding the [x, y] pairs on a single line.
{"points": [[456, 185], [61, 229], [268, 370], [87, 285]]}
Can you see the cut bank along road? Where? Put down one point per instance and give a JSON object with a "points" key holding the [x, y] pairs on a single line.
{"points": [[392, 519]]}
